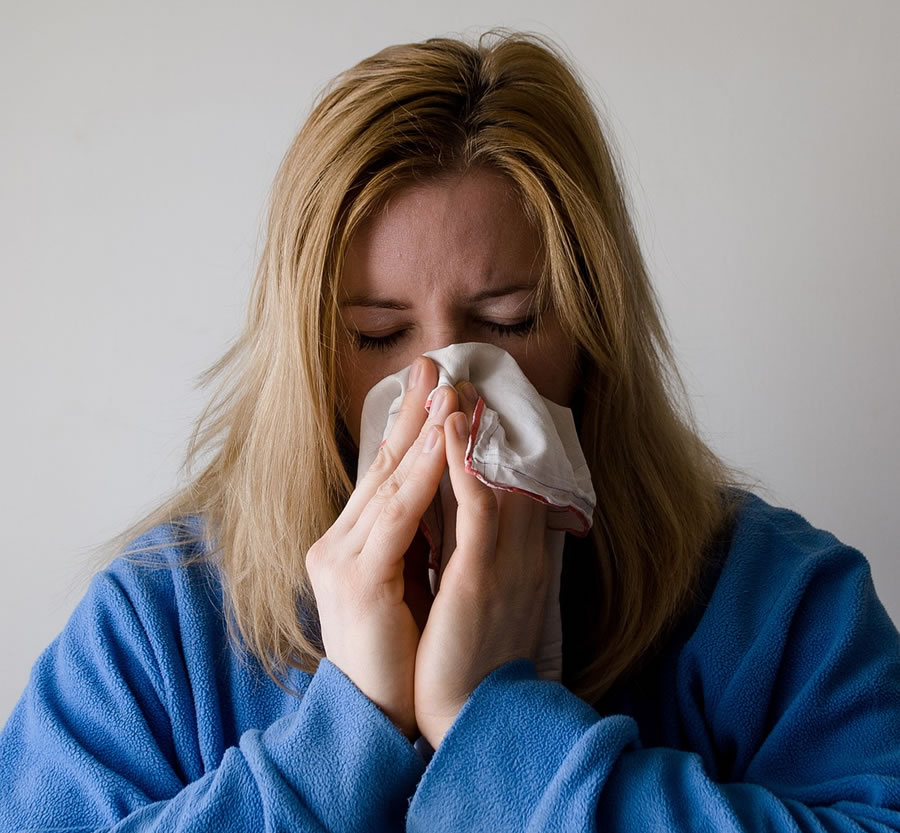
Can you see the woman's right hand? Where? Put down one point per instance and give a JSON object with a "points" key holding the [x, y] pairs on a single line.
{"points": [[356, 567]]}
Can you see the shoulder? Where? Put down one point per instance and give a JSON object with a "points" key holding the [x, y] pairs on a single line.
{"points": [[163, 558], [793, 642], [775, 554], [162, 584], [789, 594], [760, 524]]}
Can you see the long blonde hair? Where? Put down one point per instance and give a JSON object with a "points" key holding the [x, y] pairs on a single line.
{"points": [[278, 459]]}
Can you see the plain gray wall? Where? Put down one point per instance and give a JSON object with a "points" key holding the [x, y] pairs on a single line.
{"points": [[139, 142]]}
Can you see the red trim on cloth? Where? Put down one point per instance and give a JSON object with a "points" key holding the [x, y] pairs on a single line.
{"points": [[470, 445]]}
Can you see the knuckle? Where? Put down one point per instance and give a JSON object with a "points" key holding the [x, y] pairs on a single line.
{"points": [[314, 557], [312, 553], [484, 504], [387, 490], [394, 510], [480, 586], [385, 461]]}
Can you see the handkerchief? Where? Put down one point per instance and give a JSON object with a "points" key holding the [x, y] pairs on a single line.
{"points": [[519, 441]]}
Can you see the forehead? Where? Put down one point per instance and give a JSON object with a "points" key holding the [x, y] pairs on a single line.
{"points": [[466, 232]]}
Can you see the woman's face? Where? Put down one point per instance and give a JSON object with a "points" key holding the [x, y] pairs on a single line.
{"points": [[447, 262]]}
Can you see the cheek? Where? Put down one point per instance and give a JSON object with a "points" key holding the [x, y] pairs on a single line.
{"points": [[360, 373], [549, 383], [551, 368]]}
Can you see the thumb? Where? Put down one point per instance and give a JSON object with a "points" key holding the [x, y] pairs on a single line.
{"points": [[477, 510]]}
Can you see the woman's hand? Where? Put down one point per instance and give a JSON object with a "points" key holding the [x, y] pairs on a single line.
{"points": [[357, 567], [489, 608]]}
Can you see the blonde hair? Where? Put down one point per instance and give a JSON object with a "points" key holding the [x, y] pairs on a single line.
{"points": [[279, 458]]}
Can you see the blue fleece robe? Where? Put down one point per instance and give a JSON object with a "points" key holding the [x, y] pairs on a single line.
{"points": [[775, 706]]}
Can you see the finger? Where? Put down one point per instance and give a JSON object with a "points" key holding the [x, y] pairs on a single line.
{"points": [[397, 520], [522, 523], [405, 430], [537, 528], [468, 398], [521, 540], [444, 403], [477, 516]]}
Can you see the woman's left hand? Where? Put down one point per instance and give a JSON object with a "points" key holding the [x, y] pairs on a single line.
{"points": [[489, 608]]}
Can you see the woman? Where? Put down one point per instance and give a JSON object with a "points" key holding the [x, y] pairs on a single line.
{"points": [[725, 665]]}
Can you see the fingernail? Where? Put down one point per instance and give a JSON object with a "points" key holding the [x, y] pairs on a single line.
{"points": [[468, 392], [415, 373], [461, 426], [438, 402], [431, 439]]}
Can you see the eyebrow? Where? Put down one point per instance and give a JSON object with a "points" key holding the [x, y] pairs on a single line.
{"points": [[364, 300]]}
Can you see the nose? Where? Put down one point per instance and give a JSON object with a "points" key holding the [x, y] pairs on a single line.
{"points": [[436, 338]]}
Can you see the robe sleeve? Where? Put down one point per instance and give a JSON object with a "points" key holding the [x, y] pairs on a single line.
{"points": [[788, 698], [90, 745]]}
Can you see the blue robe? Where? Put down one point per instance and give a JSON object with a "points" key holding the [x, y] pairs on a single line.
{"points": [[775, 705]]}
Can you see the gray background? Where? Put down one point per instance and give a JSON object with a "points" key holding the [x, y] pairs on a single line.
{"points": [[139, 142]]}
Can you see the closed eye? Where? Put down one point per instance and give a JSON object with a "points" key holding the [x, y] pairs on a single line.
{"points": [[364, 342]]}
